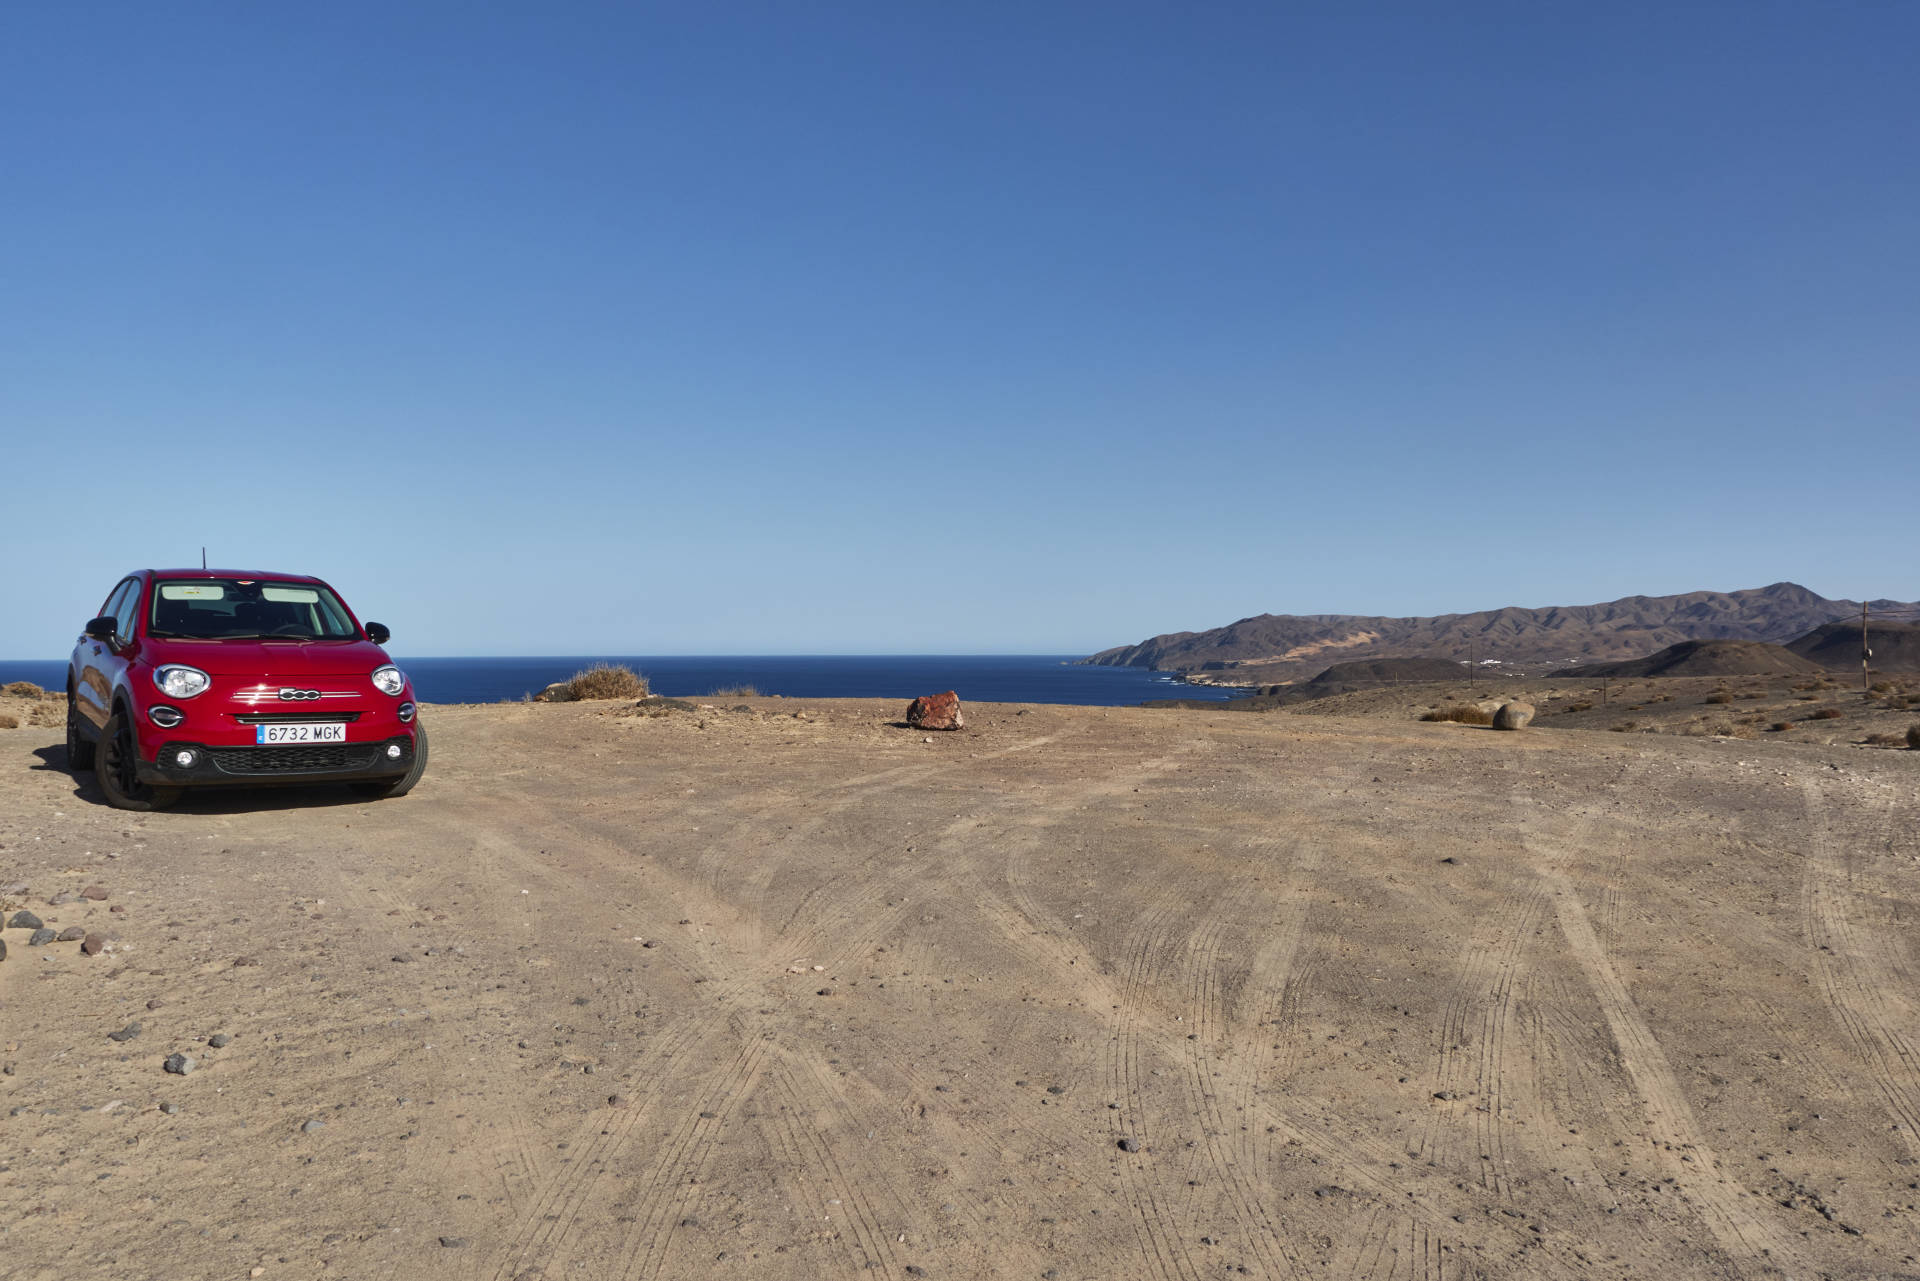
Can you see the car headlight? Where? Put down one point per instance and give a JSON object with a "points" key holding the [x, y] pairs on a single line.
{"points": [[176, 681], [388, 680]]}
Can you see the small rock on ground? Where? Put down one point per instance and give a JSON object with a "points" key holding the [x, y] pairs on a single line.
{"points": [[92, 944], [72, 934], [126, 1033], [180, 1064], [219, 1040], [453, 1243], [40, 937], [313, 1127], [24, 920], [1129, 1145]]}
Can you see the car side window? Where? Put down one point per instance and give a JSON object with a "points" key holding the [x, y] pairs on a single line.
{"points": [[125, 610], [115, 599]]}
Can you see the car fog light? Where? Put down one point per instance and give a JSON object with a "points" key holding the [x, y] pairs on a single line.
{"points": [[393, 751], [184, 759]]}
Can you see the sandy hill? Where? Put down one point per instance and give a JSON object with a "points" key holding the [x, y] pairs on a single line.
{"points": [[1710, 658], [1896, 646], [1275, 645]]}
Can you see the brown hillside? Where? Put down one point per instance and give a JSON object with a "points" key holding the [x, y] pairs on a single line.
{"points": [[1708, 658], [1276, 646], [1896, 646]]}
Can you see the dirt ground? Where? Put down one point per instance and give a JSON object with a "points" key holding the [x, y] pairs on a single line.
{"points": [[789, 992], [1780, 709]]}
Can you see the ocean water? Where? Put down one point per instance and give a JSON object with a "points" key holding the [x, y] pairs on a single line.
{"points": [[975, 677]]}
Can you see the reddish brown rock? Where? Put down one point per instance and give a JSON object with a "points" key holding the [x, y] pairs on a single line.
{"points": [[94, 892], [936, 711], [92, 944]]}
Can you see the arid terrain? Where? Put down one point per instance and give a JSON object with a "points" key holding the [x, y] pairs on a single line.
{"points": [[779, 989]]}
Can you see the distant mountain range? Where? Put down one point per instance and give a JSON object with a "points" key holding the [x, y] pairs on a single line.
{"points": [[1284, 647]]}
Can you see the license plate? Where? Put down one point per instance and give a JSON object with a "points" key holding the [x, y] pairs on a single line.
{"points": [[304, 732]]}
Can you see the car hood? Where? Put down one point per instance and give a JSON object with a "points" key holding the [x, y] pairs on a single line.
{"points": [[269, 659]]}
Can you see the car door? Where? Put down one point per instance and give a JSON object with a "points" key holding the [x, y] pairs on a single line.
{"points": [[97, 662]]}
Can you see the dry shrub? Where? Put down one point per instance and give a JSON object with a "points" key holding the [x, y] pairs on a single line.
{"points": [[1883, 740], [1805, 685], [1462, 715], [1779, 727], [735, 691], [1720, 696], [1897, 703], [606, 680], [9, 722], [1827, 714], [22, 689], [1880, 687], [1624, 727], [1582, 706], [1913, 737]]}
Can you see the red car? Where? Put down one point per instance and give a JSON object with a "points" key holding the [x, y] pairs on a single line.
{"points": [[215, 677]]}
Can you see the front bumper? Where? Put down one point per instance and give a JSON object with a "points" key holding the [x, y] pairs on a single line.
{"points": [[261, 766]]}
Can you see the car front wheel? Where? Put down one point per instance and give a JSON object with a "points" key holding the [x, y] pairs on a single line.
{"points": [[118, 770]]}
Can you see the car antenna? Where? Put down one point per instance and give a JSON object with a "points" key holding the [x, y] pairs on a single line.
{"points": [[203, 558]]}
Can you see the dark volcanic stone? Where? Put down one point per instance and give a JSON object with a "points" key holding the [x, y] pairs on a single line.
{"points": [[180, 1064], [24, 920], [72, 934], [1129, 1145], [126, 1033], [41, 937], [219, 1040]]}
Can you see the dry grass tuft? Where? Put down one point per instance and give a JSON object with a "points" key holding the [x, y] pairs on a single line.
{"points": [[606, 680], [23, 689], [9, 722], [1883, 740], [1462, 715], [1827, 714], [1779, 727], [1720, 696], [1582, 706], [735, 691]]}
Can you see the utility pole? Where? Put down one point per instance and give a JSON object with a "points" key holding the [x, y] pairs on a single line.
{"points": [[1866, 673]]}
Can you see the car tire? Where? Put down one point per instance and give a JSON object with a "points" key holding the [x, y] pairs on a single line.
{"points": [[80, 748], [383, 789], [115, 770]]}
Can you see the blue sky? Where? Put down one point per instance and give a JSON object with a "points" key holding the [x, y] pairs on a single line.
{"points": [[742, 328]]}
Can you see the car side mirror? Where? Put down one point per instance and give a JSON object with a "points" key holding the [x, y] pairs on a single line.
{"points": [[101, 628], [378, 633]]}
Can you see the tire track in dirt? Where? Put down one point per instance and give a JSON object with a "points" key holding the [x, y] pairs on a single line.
{"points": [[1219, 1063], [1859, 972], [669, 1185], [1359, 1156], [1751, 1241]]}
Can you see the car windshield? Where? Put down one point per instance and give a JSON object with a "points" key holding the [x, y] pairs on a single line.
{"points": [[238, 608]]}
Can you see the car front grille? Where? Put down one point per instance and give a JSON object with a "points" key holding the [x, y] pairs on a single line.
{"points": [[316, 759], [292, 718]]}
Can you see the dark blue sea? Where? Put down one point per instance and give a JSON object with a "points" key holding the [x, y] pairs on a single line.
{"points": [[976, 678]]}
